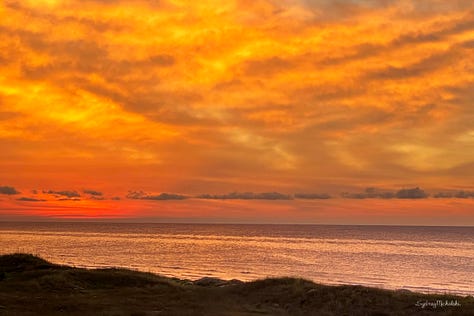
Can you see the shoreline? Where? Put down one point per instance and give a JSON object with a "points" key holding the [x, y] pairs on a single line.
{"points": [[30, 285], [197, 278], [413, 289]]}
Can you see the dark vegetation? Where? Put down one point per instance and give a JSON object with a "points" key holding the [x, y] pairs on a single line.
{"points": [[32, 286]]}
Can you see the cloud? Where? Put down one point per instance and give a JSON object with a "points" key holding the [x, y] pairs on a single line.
{"points": [[93, 192], [69, 194], [457, 194], [8, 190], [140, 195], [374, 193], [312, 196], [464, 194], [69, 199], [358, 196], [438, 33], [414, 193], [247, 196], [28, 199], [337, 11], [97, 198], [426, 65], [370, 193]]}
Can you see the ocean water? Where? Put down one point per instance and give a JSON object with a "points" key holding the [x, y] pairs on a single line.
{"points": [[424, 259]]}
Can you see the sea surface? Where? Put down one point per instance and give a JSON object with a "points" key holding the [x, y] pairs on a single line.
{"points": [[424, 259]]}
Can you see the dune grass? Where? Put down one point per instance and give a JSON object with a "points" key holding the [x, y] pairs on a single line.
{"points": [[30, 285]]}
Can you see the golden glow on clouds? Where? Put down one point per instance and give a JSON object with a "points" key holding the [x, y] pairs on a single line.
{"points": [[167, 95]]}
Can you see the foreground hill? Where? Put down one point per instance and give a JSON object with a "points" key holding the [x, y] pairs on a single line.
{"points": [[30, 285]]}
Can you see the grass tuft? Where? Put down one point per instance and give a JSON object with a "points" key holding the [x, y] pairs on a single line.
{"points": [[21, 262]]}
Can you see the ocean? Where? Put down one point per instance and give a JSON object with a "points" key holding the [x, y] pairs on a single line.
{"points": [[423, 259]]}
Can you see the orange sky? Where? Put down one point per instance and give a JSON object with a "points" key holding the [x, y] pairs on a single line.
{"points": [[212, 97]]}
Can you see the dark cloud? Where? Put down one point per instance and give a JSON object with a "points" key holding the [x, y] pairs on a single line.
{"points": [[76, 59], [393, 73], [8, 190], [359, 51], [324, 92], [166, 106], [358, 196], [69, 199], [369, 193], [94, 24], [448, 29], [423, 7], [386, 195], [462, 99], [93, 192], [414, 193], [27, 199], [377, 193], [157, 103], [140, 195], [464, 194], [423, 66], [312, 196], [247, 196], [333, 11], [97, 198], [443, 195], [366, 50], [457, 194], [374, 193], [69, 194]]}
